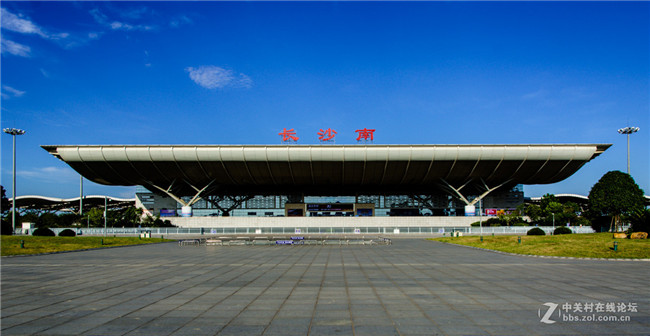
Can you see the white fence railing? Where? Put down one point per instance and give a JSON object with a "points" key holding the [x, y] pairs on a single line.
{"points": [[473, 230]]}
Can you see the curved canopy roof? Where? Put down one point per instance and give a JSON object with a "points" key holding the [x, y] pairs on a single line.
{"points": [[72, 204], [325, 169]]}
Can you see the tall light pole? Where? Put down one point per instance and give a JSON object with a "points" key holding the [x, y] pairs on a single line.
{"points": [[628, 131], [81, 195], [14, 132]]}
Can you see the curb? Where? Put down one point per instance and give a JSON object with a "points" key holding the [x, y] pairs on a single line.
{"points": [[543, 256], [82, 250]]}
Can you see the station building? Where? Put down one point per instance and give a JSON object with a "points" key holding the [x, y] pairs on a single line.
{"points": [[325, 181]]}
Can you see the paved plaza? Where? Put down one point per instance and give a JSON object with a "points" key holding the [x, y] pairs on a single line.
{"points": [[413, 287]]}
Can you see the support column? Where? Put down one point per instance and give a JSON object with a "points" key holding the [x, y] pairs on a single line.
{"points": [[488, 190], [186, 207]]}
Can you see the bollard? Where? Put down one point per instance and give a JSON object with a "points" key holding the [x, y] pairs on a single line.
{"points": [[22, 244], [615, 246], [519, 240], [162, 237], [102, 241], [481, 239]]}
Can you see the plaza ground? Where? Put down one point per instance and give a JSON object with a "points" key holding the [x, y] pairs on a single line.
{"points": [[413, 287]]}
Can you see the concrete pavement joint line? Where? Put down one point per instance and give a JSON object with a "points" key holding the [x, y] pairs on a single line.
{"points": [[347, 292], [374, 290], [486, 308], [123, 315], [532, 288], [210, 289], [357, 291], [320, 290], [415, 304], [229, 296], [148, 305], [543, 256], [54, 304], [293, 288]]}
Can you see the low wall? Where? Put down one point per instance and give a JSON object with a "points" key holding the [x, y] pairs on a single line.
{"points": [[349, 222]]}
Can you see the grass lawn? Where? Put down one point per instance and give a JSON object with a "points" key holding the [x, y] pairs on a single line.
{"points": [[33, 245], [590, 245]]}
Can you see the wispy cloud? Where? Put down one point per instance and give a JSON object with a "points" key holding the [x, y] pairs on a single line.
{"points": [[20, 24], [541, 93], [179, 21], [9, 92], [104, 20], [16, 49], [214, 77], [49, 174]]}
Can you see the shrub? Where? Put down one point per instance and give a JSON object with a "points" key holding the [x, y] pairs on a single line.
{"points": [[43, 232], [536, 232], [562, 230], [6, 228], [520, 224], [67, 233]]}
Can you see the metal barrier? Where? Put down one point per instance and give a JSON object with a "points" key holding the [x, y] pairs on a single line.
{"points": [[286, 240]]}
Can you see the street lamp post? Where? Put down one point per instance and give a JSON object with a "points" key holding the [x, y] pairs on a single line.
{"points": [[628, 131], [13, 132]]}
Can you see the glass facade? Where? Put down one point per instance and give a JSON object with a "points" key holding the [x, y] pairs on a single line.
{"points": [[438, 204]]}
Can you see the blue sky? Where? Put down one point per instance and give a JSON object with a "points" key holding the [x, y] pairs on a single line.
{"points": [[240, 72]]}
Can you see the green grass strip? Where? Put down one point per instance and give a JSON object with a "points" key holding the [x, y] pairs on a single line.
{"points": [[11, 245], [591, 245]]}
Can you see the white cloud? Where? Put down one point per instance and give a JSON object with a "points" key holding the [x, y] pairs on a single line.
{"points": [[14, 48], [214, 77], [9, 92], [17, 24], [20, 24]]}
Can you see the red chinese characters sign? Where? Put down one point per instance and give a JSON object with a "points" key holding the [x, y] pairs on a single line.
{"points": [[327, 135], [288, 135], [366, 134]]}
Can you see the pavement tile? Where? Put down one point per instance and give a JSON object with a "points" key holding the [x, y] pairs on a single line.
{"points": [[368, 330], [413, 287]]}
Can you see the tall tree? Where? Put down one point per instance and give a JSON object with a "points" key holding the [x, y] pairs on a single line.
{"points": [[614, 195]]}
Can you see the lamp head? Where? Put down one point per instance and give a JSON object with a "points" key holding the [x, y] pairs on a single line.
{"points": [[14, 131], [628, 130]]}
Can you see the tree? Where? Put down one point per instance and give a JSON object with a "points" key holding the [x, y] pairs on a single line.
{"points": [[127, 217], [6, 205], [614, 195], [7, 229], [533, 211], [96, 217], [640, 220]]}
